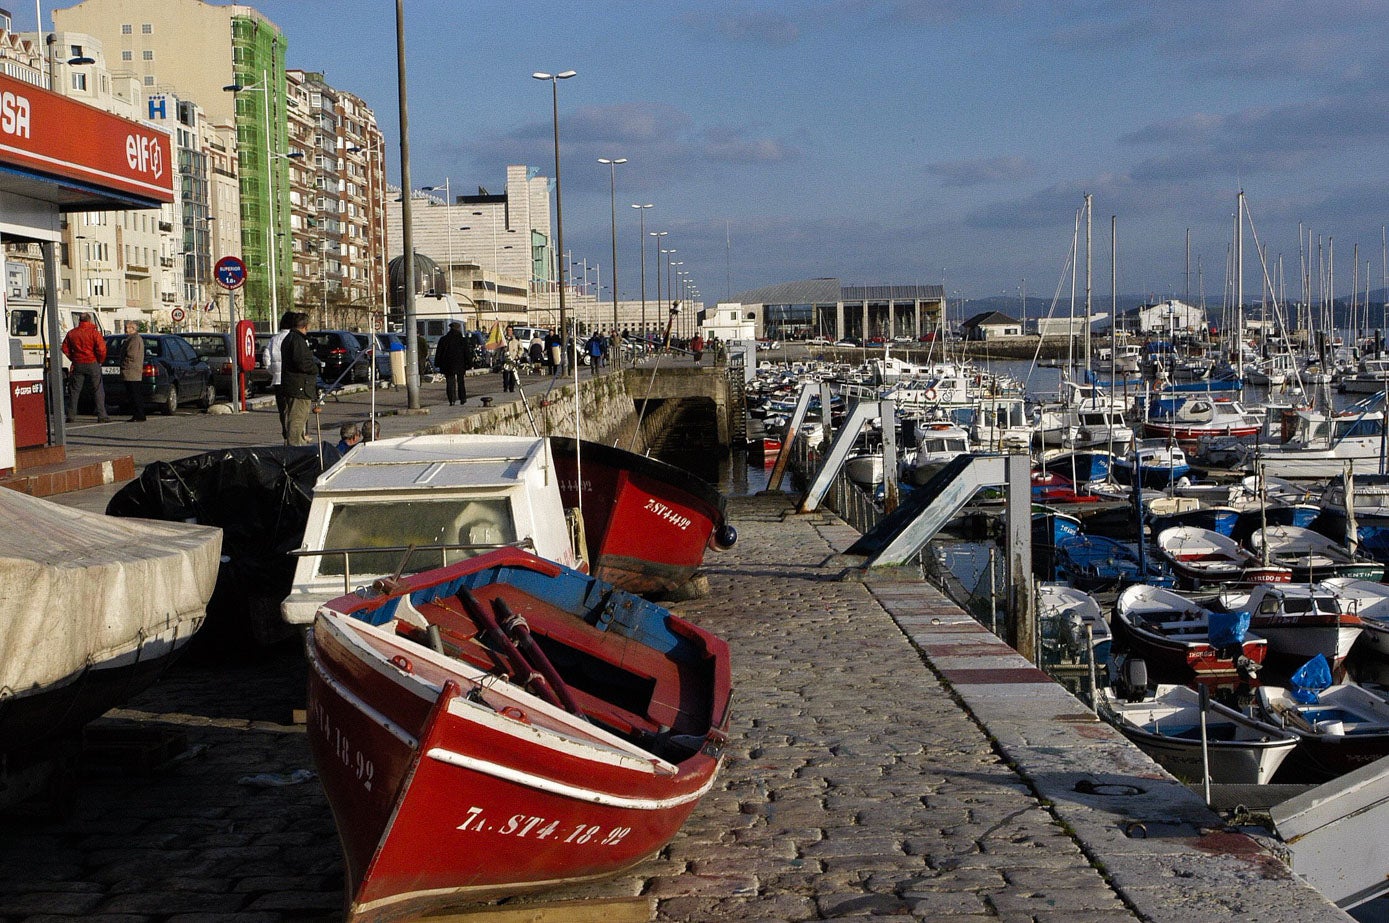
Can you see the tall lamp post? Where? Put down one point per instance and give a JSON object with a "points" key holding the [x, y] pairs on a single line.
{"points": [[641, 214], [612, 194], [559, 212], [380, 216], [658, 235]]}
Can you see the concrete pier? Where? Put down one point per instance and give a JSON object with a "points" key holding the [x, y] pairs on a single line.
{"points": [[889, 759]]}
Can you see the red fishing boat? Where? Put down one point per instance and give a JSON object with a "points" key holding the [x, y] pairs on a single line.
{"points": [[505, 725], [647, 523]]}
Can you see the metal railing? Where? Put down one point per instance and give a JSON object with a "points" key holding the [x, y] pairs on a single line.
{"points": [[406, 552]]}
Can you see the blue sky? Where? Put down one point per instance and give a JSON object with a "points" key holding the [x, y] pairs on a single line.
{"points": [[895, 141]]}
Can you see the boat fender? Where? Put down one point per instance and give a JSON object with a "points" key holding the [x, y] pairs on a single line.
{"points": [[400, 661], [515, 713], [723, 538]]}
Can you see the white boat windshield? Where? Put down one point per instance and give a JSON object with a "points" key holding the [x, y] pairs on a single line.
{"points": [[399, 522]]}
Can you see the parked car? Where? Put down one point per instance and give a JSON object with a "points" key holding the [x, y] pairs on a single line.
{"points": [[877, 340], [849, 341], [216, 350], [341, 354], [382, 357], [174, 373], [818, 341], [930, 337]]}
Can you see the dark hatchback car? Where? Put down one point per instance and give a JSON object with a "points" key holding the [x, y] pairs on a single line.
{"points": [[341, 355], [174, 374], [215, 349]]}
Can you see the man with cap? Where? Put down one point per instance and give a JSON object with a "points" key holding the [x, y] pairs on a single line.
{"points": [[453, 356]]}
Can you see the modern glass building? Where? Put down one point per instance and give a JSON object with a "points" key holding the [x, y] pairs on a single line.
{"points": [[825, 308]]}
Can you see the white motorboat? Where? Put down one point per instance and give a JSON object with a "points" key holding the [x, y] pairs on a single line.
{"points": [[419, 502], [1321, 446], [937, 444], [1167, 727], [1202, 556], [1371, 377], [1299, 621]]}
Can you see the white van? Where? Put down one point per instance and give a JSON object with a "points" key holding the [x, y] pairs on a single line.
{"points": [[29, 328]]}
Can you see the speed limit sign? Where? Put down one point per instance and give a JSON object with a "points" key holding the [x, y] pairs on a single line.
{"points": [[177, 314]]}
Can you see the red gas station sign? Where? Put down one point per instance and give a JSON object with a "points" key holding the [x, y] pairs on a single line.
{"points": [[52, 134]]}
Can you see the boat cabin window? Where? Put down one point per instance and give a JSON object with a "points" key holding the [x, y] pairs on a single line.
{"points": [[1327, 604], [1094, 419], [1270, 605], [1351, 428], [396, 522]]}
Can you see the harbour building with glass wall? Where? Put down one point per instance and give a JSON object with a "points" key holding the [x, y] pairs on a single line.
{"points": [[825, 308]]}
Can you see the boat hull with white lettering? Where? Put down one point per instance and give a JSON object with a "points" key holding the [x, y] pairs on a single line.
{"points": [[453, 782], [647, 523]]}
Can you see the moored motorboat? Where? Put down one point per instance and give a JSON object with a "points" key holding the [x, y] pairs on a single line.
{"points": [[1342, 728], [503, 725], [413, 503], [647, 523], [1154, 466], [1311, 555], [1167, 511], [1096, 562], [1299, 621], [96, 607], [1188, 418], [1200, 557], [1172, 634], [1167, 727]]}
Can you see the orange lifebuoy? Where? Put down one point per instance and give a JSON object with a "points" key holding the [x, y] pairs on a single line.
{"points": [[930, 394], [515, 714]]}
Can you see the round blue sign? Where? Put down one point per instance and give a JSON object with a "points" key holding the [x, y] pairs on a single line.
{"points": [[230, 272]]}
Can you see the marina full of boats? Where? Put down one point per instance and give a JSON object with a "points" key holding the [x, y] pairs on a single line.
{"points": [[1197, 538]]}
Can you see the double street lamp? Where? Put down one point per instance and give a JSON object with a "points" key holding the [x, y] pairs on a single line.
{"points": [[658, 235], [612, 194], [559, 211]]}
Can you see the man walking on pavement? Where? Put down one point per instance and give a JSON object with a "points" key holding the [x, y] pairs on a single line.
{"points": [[298, 380], [453, 356], [133, 370], [85, 348], [270, 358]]}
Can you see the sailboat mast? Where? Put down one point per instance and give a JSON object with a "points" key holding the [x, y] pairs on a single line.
{"points": [[1088, 263], [1239, 266]]}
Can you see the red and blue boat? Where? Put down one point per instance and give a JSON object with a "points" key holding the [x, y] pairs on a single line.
{"points": [[504, 725]]}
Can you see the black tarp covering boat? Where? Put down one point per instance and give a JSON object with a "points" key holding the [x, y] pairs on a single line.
{"points": [[259, 496]]}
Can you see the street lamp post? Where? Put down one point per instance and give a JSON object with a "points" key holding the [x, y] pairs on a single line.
{"points": [[658, 235], [559, 211], [380, 216], [612, 193], [641, 215], [448, 219]]}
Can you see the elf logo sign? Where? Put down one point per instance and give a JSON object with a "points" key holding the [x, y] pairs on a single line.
{"points": [[144, 155]]}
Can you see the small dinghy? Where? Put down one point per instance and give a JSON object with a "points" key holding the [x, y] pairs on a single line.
{"points": [[1202, 557], [1167, 727], [1096, 562], [1343, 728], [1172, 634], [1310, 555], [506, 724]]}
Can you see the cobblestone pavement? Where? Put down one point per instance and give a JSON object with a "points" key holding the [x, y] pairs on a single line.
{"points": [[857, 784]]}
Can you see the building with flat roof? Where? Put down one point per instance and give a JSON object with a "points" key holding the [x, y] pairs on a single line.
{"points": [[824, 307]]}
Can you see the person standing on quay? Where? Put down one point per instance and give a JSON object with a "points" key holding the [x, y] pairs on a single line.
{"points": [[298, 380], [133, 370], [85, 348], [270, 357], [453, 356]]}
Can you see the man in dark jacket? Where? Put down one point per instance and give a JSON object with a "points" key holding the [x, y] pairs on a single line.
{"points": [[298, 380], [453, 356]]}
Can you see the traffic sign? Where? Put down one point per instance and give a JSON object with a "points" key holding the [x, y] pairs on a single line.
{"points": [[177, 315], [230, 272]]}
